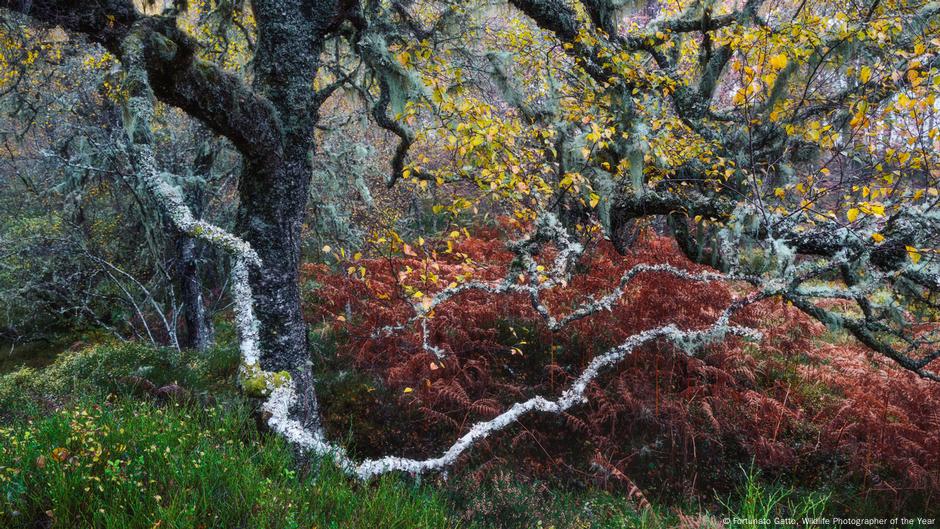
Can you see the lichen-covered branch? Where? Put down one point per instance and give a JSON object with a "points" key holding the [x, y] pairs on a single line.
{"points": [[548, 230], [281, 400], [138, 114], [281, 393]]}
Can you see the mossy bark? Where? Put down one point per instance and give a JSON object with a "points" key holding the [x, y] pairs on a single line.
{"points": [[274, 190]]}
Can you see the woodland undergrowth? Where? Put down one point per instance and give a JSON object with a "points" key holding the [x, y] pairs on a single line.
{"points": [[805, 405]]}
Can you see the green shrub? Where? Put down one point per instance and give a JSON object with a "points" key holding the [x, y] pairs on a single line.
{"points": [[104, 368]]}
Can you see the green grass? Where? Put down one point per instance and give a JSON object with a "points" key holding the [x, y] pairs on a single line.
{"points": [[102, 369], [127, 464], [760, 505], [79, 449]]}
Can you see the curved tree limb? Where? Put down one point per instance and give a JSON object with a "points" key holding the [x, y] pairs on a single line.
{"points": [[218, 98]]}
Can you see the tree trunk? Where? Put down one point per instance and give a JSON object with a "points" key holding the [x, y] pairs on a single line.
{"points": [[198, 323], [270, 215], [199, 331], [273, 189]]}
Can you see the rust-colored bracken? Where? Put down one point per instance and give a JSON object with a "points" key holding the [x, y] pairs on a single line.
{"points": [[805, 402]]}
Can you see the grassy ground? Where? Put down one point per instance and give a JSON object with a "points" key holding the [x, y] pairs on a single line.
{"points": [[124, 463], [80, 446]]}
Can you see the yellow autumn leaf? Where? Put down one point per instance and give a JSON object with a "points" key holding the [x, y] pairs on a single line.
{"points": [[865, 74], [407, 390], [852, 214], [780, 192], [913, 254], [595, 199], [877, 237], [779, 61]]}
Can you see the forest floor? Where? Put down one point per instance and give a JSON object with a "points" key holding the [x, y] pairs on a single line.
{"points": [[88, 442]]}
